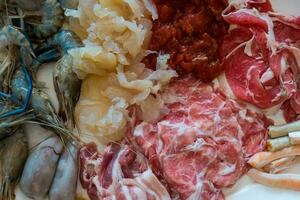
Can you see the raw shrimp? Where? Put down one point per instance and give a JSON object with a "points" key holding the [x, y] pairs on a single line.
{"points": [[67, 87], [12, 36], [67, 84], [26, 81], [9, 36], [64, 183], [52, 18], [40, 168], [21, 83], [13, 154], [40, 104]]}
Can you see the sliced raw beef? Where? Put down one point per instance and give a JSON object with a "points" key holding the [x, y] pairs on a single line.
{"points": [[262, 56], [203, 143], [118, 174]]}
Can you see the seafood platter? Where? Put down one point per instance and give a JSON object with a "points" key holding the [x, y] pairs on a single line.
{"points": [[149, 99]]}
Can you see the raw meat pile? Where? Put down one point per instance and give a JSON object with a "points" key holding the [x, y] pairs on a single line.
{"points": [[199, 147], [202, 142], [119, 173], [262, 57], [189, 31]]}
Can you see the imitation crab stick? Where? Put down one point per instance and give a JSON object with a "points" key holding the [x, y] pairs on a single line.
{"points": [[288, 181], [283, 130], [261, 159], [294, 137], [280, 164], [276, 144]]}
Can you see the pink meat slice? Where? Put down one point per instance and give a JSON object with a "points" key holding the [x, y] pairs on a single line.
{"points": [[203, 143], [118, 174], [261, 56]]}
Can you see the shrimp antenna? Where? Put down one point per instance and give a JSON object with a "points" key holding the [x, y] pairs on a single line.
{"points": [[61, 130], [18, 119]]}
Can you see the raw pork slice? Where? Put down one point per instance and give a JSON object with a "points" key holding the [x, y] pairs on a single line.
{"points": [[203, 143], [262, 56], [118, 174]]}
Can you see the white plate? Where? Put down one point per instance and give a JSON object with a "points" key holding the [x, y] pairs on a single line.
{"points": [[245, 188]]}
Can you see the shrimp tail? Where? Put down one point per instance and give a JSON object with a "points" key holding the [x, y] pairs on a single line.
{"points": [[66, 82], [66, 108]]}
